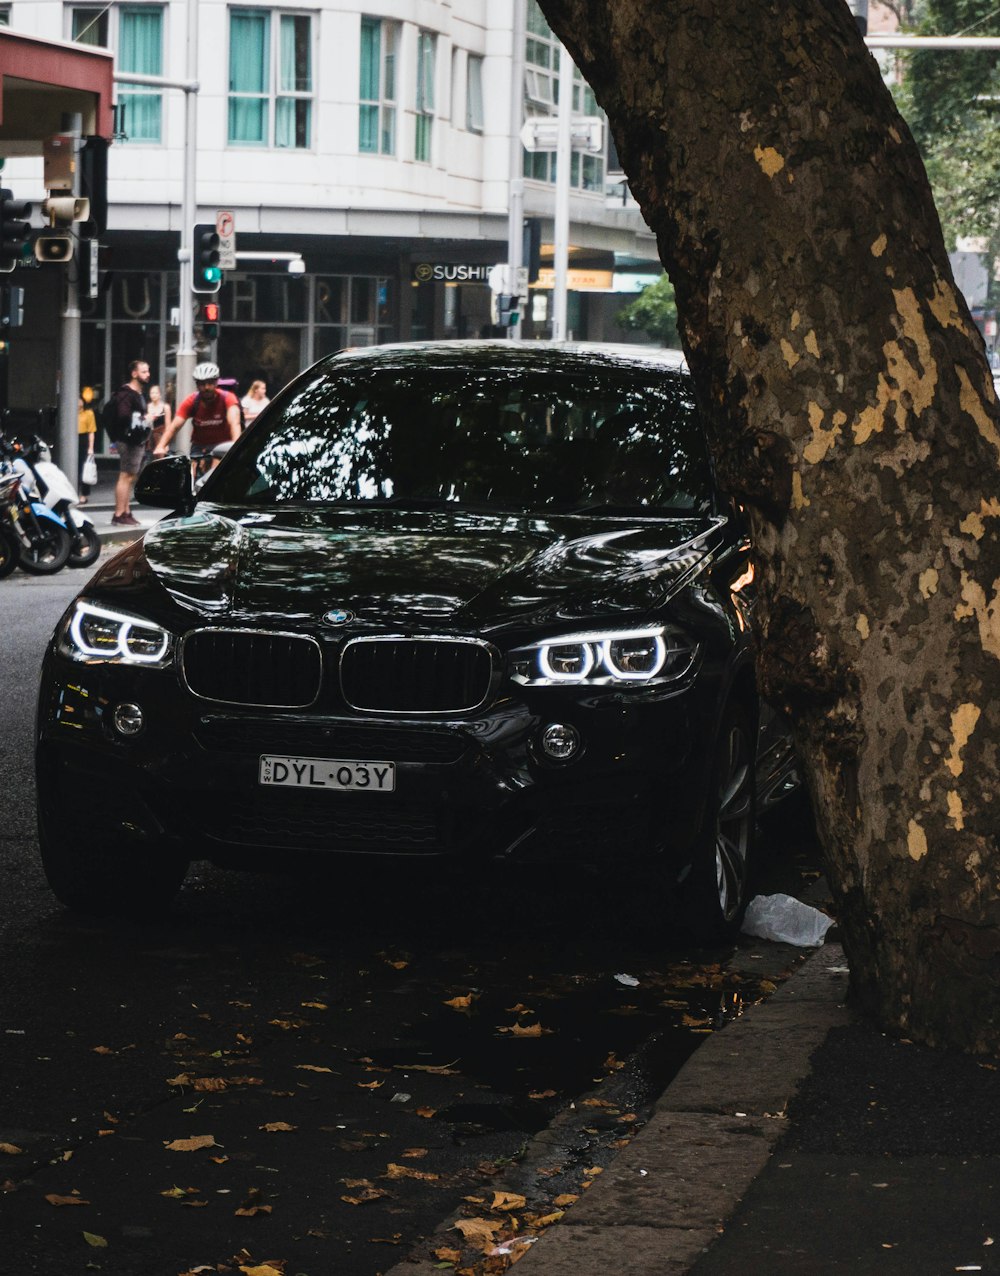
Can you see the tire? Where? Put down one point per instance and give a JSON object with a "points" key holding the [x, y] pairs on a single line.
{"points": [[86, 546], [714, 896], [50, 553], [112, 880], [8, 554]]}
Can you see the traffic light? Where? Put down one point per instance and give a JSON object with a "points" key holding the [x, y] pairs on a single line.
{"points": [[206, 274], [210, 320], [507, 310], [14, 230]]}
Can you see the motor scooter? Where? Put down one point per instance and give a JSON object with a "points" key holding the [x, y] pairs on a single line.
{"points": [[58, 494], [43, 542], [10, 532]]}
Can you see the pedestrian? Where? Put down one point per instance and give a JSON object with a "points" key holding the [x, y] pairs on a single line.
{"points": [[86, 425], [124, 417], [254, 402], [214, 414], [158, 414]]}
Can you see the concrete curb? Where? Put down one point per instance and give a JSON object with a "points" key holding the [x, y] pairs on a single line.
{"points": [[656, 1209]]}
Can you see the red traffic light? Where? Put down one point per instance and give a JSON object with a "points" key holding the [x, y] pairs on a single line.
{"points": [[210, 311]]}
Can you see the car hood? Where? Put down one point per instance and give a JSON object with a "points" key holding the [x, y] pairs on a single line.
{"points": [[394, 567]]}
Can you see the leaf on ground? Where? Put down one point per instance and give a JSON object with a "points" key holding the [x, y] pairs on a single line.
{"points": [[102, 1050], [195, 1205], [426, 1113], [277, 1127], [315, 1005], [211, 1085], [461, 1003], [567, 1198], [695, 1021], [439, 1069], [179, 1193], [249, 1211], [193, 1144], [596, 1103], [276, 1267], [11, 1149], [394, 1171], [508, 1201], [289, 1025], [362, 1198], [519, 1009], [98, 1242], [101, 1134], [414, 1154], [368, 1085], [612, 1063], [311, 1067], [53, 1199], [544, 1220], [541, 1094], [448, 1255], [479, 1231], [527, 1030]]}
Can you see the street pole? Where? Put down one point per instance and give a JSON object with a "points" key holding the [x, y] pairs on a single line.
{"points": [[564, 153], [69, 332], [515, 223], [189, 209]]}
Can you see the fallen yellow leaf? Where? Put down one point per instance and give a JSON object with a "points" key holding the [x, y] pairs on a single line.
{"points": [[311, 1067], [479, 1231], [315, 1005], [393, 1171], [263, 1269], [541, 1094], [414, 1153], [248, 1211], [276, 1127], [369, 1085], [426, 1112], [370, 1194], [11, 1149], [448, 1255], [567, 1198], [508, 1201], [98, 1242], [461, 1003], [53, 1199], [544, 1220], [193, 1144]]}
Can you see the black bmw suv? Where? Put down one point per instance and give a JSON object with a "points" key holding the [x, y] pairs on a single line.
{"points": [[479, 599]]}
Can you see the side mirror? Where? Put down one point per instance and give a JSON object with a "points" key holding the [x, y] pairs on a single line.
{"points": [[166, 484]]}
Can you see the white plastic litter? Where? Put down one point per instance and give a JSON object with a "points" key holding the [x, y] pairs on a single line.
{"points": [[786, 920], [629, 981]]}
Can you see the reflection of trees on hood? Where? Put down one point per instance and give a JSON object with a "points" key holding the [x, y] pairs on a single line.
{"points": [[480, 428]]}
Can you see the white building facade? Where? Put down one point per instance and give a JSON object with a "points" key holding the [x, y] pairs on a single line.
{"points": [[373, 139]]}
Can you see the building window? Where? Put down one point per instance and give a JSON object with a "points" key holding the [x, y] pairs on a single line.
{"points": [[4, 15], [377, 106], [426, 48], [270, 79], [140, 49], [474, 95], [137, 32], [88, 24], [541, 95]]}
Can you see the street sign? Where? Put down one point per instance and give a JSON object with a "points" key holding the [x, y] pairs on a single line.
{"points": [[541, 133], [225, 227]]}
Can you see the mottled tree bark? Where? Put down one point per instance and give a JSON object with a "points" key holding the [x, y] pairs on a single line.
{"points": [[853, 410]]}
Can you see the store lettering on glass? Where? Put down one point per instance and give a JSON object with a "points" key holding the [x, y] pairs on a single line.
{"points": [[136, 296]]}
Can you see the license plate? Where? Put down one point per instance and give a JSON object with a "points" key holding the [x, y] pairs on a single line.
{"points": [[328, 773]]}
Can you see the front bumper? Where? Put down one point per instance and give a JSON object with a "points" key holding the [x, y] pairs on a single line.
{"points": [[478, 786]]}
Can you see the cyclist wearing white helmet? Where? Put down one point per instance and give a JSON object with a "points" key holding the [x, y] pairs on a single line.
{"points": [[214, 414]]}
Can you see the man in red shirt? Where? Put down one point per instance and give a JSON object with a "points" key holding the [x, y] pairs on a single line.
{"points": [[214, 414]]}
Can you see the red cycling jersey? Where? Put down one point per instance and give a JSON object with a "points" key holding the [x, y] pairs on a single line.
{"points": [[208, 420]]}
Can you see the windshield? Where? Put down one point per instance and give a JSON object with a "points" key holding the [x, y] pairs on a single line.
{"points": [[502, 435]]}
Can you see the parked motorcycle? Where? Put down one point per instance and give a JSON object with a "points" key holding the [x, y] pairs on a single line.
{"points": [[43, 541], [10, 538], [56, 492]]}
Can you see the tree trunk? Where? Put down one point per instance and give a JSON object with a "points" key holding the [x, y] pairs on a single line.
{"points": [[853, 410]]}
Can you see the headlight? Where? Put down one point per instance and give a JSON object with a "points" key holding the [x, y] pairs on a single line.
{"points": [[644, 656], [96, 634]]}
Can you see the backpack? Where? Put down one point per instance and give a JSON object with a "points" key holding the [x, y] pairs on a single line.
{"points": [[119, 430]]}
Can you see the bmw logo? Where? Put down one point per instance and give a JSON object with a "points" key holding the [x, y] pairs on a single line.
{"points": [[338, 616]]}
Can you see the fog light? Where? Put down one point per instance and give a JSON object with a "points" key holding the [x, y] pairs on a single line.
{"points": [[128, 719], [560, 741]]}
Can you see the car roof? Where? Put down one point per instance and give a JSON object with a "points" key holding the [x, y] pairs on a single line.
{"points": [[522, 352]]}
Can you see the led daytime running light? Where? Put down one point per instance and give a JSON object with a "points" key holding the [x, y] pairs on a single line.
{"points": [[555, 674], [659, 646], [125, 624]]}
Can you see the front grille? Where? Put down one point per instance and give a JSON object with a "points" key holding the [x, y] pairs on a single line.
{"points": [[415, 675], [337, 740], [252, 667]]}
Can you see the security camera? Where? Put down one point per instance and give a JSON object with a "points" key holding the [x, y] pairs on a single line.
{"points": [[297, 266]]}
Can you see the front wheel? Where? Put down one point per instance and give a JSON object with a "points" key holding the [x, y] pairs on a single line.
{"points": [[9, 553], [715, 894], [107, 880], [86, 546], [49, 551]]}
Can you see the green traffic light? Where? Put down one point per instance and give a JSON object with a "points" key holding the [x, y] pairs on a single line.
{"points": [[211, 274]]}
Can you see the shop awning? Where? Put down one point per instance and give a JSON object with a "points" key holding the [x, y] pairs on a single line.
{"points": [[43, 80]]}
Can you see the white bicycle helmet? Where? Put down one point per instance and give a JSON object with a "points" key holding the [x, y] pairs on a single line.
{"points": [[206, 372]]}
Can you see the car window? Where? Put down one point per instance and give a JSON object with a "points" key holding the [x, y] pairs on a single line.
{"points": [[502, 436]]}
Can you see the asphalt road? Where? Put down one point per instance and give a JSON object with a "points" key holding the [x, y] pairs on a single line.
{"points": [[314, 1071]]}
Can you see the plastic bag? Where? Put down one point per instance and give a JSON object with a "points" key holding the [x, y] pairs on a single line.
{"points": [[88, 475], [786, 920]]}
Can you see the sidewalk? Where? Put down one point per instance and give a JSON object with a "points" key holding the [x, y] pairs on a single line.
{"points": [[101, 506], [799, 1142]]}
